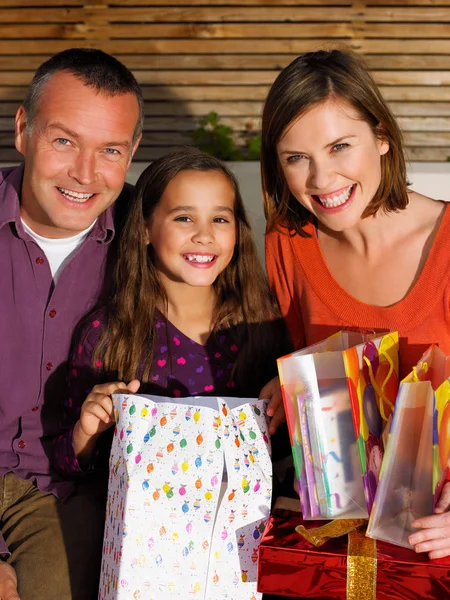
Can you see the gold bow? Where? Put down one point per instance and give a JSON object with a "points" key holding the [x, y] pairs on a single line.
{"points": [[361, 554]]}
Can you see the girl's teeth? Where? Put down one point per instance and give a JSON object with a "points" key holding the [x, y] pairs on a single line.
{"points": [[336, 200], [201, 258]]}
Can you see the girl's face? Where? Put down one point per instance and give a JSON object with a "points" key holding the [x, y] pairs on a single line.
{"points": [[331, 160], [193, 228]]}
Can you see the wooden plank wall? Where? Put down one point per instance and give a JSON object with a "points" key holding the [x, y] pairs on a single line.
{"points": [[195, 56]]}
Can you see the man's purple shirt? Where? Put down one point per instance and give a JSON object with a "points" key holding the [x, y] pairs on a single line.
{"points": [[37, 320]]}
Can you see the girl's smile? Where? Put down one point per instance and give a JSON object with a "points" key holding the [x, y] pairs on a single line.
{"points": [[200, 261]]}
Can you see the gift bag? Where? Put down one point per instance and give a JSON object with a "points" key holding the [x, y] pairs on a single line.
{"points": [[338, 395], [189, 494], [417, 452]]}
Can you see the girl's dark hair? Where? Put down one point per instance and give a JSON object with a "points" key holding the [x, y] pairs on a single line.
{"points": [[309, 80], [242, 291]]}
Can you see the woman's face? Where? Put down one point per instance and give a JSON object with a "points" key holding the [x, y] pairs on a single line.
{"points": [[331, 160]]}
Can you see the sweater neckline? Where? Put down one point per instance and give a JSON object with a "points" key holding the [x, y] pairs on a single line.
{"points": [[407, 312], [172, 332]]}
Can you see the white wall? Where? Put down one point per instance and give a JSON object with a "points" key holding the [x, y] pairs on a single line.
{"points": [[431, 179]]}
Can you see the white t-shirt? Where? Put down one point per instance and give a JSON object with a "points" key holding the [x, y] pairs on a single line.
{"points": [[58, 251]]}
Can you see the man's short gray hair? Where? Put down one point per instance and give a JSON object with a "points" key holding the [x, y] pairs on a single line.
{"points": [[95, 69]]}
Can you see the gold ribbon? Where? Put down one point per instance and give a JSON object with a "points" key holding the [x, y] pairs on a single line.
{"points": [[361, 554]]}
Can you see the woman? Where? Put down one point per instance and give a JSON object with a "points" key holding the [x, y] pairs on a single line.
{"points": [[348, 245]]}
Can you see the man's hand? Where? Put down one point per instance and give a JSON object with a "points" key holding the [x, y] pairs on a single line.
{"points": [[434, 534], [272, 392], [8, 582]]}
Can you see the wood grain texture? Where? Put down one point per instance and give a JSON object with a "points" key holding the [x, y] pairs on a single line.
{"points": [[203, 55]]}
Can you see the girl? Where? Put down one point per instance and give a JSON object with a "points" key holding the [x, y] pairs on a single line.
{"points": [[348, 244], [190, 314]]}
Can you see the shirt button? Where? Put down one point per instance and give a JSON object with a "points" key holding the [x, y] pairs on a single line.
{"points": [[21, 444], [35, 408], [52, 313], [39, 260], [49, 366]]}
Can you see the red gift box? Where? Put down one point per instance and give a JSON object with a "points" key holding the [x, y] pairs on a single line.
{"points": [[290, 566]]}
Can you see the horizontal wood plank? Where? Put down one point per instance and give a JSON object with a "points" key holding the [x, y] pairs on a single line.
{"points": [[201, 14], [141, 63], [428, 155], [218, 94], [86, 30], [224, 46], [422, 109], [191, 109], [241, 77], [424, 139], [431, 124], [184, 3]]}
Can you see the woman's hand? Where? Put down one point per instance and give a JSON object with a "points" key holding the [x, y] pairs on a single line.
{"points": [[272, 392], [8, 582], [97, 415], [434, 534]]}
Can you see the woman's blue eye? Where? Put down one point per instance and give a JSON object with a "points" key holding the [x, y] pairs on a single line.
{"points": [[340, 146], [62, 141], [295, 158]]}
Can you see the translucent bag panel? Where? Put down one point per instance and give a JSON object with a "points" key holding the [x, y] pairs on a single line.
{"points": [[324, 443], [404, 489]]}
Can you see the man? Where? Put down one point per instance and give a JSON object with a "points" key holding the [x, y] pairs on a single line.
{"points": [[78, 129]]}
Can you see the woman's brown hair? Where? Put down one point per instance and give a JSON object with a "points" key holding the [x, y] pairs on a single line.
{"points": [[242, 291], [309, 80]]}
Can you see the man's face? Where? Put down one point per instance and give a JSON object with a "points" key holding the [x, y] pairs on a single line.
{"points": [[76, 156]]}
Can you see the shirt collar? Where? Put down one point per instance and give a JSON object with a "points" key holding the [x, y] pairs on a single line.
{"points": [[10, 186]]}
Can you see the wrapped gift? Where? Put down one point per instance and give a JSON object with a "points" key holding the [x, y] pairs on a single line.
{"points": [[188, 498], [415, 462], [338, 396], [346, 567]]}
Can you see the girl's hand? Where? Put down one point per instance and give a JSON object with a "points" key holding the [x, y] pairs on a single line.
{"points": [[272, 392], [8, 582], [434, 534], [97, 415]]}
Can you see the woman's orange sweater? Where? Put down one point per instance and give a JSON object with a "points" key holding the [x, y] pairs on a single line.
{"points": [[315, 305]]}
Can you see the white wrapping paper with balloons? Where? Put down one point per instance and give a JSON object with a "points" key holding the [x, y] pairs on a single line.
{"points": [[415, 464], [189, 495], [338, 396]]}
